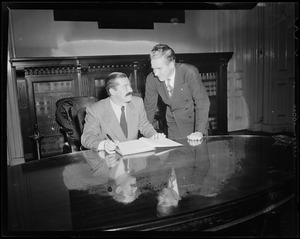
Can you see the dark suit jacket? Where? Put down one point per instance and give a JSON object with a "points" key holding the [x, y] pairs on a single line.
{"points": [[101, 119], [189, 105]]}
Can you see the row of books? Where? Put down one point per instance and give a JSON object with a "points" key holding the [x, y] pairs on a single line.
{"points": [[208, 76], [211, 87], [213, 122]]}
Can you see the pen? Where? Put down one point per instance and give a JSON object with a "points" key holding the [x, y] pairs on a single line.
{"points": [[108, 136]]}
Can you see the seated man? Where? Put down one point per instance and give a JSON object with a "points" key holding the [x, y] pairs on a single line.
{"points": [[120, 116]]}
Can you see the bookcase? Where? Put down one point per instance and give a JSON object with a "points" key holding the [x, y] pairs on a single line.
{"points": [[43, 81]]}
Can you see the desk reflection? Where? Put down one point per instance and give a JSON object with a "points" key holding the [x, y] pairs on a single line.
{"points": [[92, 190], [199, 169]]}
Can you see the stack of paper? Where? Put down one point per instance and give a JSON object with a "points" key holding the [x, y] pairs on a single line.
{"points": [[144, 145]]}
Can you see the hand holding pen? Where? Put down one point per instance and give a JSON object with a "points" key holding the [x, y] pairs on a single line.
{"points": [[110, 145]]}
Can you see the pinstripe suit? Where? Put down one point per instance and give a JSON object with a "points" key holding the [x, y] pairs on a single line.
{"points": [[187, 110]]}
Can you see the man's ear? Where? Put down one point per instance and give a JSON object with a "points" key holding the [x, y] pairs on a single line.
{"points": [[172, 64], [112, 91]]}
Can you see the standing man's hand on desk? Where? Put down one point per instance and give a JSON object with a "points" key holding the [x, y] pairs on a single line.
{"points": [[158, 136], [195, 136]]}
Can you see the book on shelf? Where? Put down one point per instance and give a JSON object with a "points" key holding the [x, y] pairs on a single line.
{"points": [[144, 145]]}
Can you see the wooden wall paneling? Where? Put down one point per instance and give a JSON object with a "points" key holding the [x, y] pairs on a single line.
{"points": [[222, 113], [44, 91], [249, 84], [282, 114], [280, 59], [85, 86], [268, 53], [256, 119], [238, 99], [15, 151], [238, 38], [291, 56], [23, 102], [278, 87], [14, 139], [143, 69]]}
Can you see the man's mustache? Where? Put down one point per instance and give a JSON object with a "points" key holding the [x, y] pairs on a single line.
{"points": [[129, 93]]}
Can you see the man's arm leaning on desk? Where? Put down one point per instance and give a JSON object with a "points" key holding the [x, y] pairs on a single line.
{"points": [[92, 132]]}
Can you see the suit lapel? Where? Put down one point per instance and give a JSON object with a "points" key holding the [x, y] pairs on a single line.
{"points": [[113, 123]]}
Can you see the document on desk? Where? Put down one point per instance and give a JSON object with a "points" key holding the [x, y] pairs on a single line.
{"points": [[144, 145]]}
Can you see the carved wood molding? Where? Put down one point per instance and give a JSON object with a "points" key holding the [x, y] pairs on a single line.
{"points": [[108, 67], [51, 70]]}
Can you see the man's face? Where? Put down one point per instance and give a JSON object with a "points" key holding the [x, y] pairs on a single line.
{"points": [[168, 197], [162, 68], [123, 90], [129, 188]]}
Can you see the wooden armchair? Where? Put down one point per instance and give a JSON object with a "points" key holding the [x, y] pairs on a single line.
{"points": [[70, 114]]}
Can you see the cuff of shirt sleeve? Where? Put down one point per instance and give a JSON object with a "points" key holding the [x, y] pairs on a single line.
{"points": [[101, 145]]}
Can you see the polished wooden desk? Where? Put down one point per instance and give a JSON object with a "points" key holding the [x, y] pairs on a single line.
{"points": [[223, 181]]}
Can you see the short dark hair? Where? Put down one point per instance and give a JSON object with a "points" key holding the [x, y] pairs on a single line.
{"points": [[163, 50], [110, 81]]}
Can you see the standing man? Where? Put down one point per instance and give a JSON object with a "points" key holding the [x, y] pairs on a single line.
{"points": [[120, 116], [183, 92]]}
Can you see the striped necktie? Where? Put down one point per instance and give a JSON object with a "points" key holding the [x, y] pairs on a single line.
{"points": [[123, 122], [169, 88]]}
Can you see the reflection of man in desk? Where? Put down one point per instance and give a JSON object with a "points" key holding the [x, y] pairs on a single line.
{"points": [[110, 170], [168, 198], [122, 184], [211, 164], [123, 188], [183, 173]]}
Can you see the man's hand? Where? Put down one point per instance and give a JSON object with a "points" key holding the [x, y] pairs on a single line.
{"points": [[158, 136], [110, 146], [194, 142], [195, 136]]}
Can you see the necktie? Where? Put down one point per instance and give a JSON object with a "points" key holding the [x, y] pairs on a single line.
{"points": [[169, 88], [123, 122], [127, 169]]}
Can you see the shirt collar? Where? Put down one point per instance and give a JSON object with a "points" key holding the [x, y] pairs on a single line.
{"points": [[115, 106], [172, 78]]}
